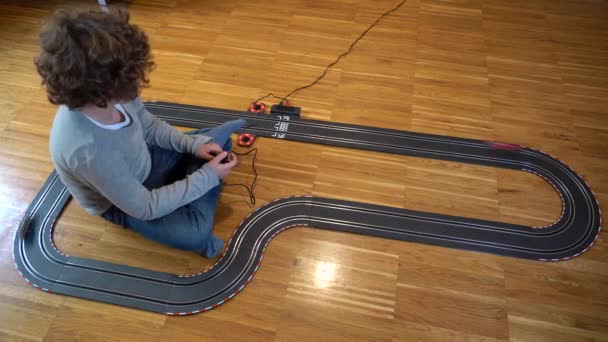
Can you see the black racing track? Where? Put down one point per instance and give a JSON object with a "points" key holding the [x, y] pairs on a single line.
{"points": [[45, 267]]}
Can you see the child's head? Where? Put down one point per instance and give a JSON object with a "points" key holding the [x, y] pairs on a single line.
{"points": [[93, 58]]}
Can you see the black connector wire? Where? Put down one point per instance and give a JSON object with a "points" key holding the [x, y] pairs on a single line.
{"points": [[251, 189], [271, 95], [350, 49], [285, 98]]}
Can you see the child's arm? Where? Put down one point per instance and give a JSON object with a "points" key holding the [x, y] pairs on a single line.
{"points": [[111, 178], [158, 132]]}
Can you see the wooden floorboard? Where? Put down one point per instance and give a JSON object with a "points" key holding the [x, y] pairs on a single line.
{"points": [[528, 72]]}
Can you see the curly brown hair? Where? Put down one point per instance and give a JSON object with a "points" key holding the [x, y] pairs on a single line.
{"points": [[93, 57]]}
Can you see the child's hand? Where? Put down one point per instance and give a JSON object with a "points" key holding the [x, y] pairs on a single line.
{"points": [[221, 170], [208, 151]]}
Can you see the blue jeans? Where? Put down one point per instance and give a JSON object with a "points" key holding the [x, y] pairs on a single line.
{"points": [[190, 226]]}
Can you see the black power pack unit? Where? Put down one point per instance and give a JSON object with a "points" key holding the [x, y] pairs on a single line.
{"points": [[285, 110]]}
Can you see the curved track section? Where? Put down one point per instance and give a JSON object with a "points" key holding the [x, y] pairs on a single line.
{"points": [[45, 267]]}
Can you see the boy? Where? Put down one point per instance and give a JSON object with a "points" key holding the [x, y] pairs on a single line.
{"points": [[118, 160]]}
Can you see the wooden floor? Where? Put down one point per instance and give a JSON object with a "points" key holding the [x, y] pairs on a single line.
{"points": [[527, 72]]}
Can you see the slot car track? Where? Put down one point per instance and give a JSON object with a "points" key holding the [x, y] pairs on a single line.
{"points": [[574, 232]]}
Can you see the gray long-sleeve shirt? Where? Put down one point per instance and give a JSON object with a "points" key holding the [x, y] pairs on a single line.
{"points": [[102, 167]]}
